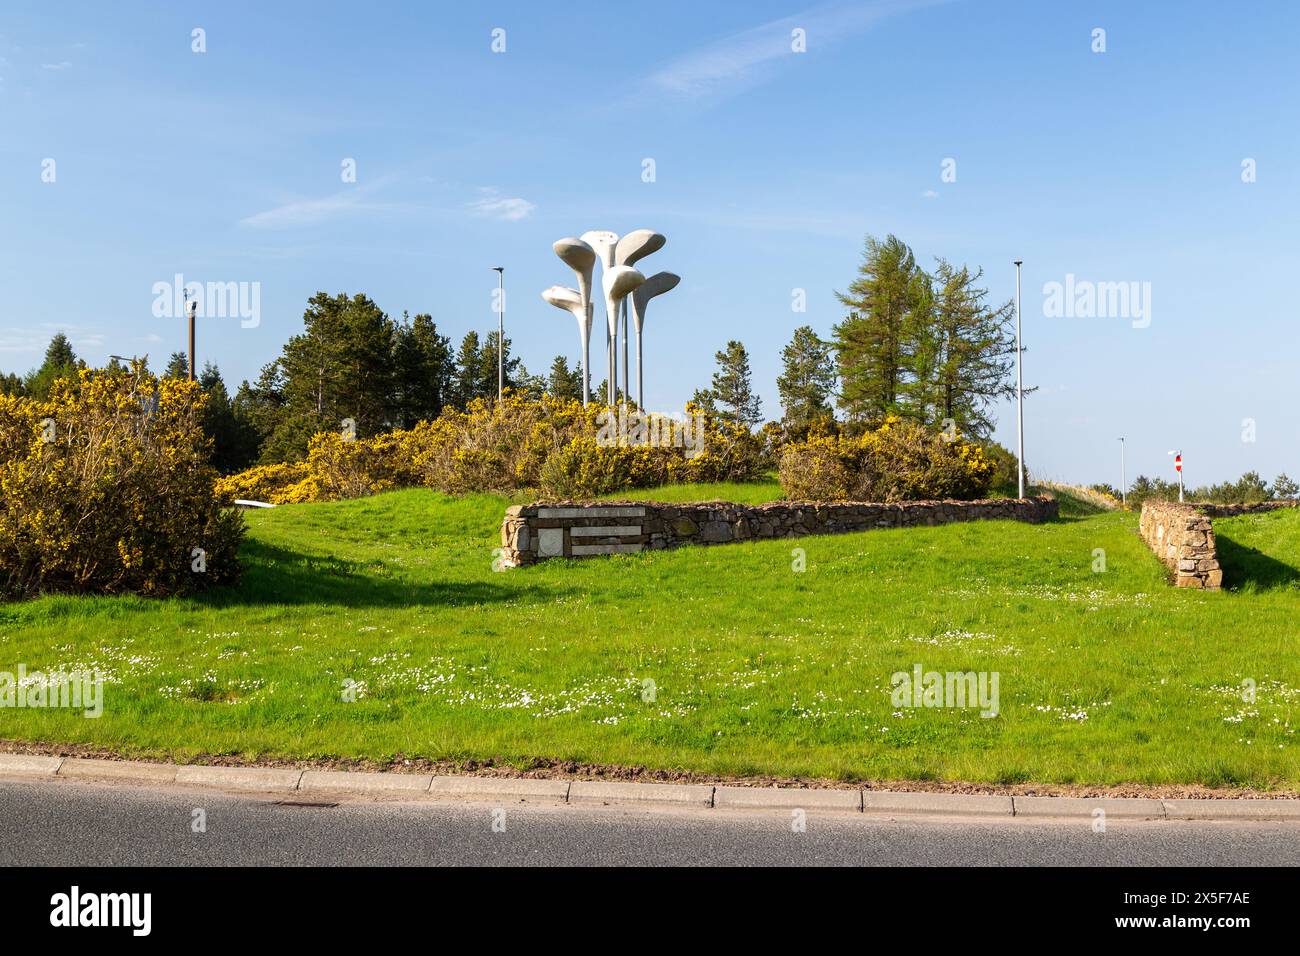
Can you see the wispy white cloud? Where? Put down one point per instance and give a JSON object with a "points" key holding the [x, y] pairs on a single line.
{"points": [[306, 212], [61, 65], [493, 205], [929, 194], [735, 63]]}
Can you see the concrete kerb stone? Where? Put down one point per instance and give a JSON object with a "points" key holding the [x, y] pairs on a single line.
{"points": [[677, 794], [787, 798], [514, 789], [960, 804], [365, 782], [1255, 810], [134, 771], [29, 765], [1128, 808], [239, 778]]}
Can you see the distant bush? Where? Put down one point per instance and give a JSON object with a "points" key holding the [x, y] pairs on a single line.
{"points": [[105, 487], [898, 461], [554, 446], [1250, 488]]}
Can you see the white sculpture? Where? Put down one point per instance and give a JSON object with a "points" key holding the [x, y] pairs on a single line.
{"points": [[581, 258], [657, 284], [618, 281], [636, 245], [573, 301], [603, 242]]}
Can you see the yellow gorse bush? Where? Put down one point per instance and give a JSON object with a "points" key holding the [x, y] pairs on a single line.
{"points": [[106, 488], [549, 445], [899, 460]]}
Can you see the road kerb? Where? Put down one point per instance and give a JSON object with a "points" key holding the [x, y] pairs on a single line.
{"points": [[512, 789], [1255, 810], [1129, 808], [787, 798], [882, 802], [675, 794], [239, 778], [365, 782], [29, 765], [87, 768]]}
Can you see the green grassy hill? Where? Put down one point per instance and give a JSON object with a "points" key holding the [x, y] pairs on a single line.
{"points": [[718, 660]]}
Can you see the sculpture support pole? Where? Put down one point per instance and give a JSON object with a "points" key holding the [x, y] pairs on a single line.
{"points": [[627, 376], [640, 382], [585, 331]]}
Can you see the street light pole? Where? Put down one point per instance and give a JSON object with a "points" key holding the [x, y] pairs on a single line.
{"points": [[1020, 396], [190, 309], [1123, 476], [501, 331]]}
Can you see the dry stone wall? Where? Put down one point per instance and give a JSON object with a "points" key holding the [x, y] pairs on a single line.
{"points": [[567, 529], [1182, 536]]}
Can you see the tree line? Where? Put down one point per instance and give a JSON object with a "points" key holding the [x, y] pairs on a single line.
{"points": [[922, 345]]}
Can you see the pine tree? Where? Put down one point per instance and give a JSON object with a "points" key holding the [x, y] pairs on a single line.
{"points": [[564, 382], [974, 352], [807, 380], [733, 386], [60, 362], [465, 382], [234, 440], [178, 366], [340, 368], [423, 369], [871, 342]]}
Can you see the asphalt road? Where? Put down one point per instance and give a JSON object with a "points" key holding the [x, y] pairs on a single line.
{"points": [[66, 824]]}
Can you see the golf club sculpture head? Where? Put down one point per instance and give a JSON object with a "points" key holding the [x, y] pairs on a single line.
{"points": [[657, 284], [579, 306], [581, 258], [603, 242], [636, 245], [618, 282]]}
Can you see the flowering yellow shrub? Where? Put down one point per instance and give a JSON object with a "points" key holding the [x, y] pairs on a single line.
{"points": [[106, 488], [263, 483], [553, 445], [898, 461]]}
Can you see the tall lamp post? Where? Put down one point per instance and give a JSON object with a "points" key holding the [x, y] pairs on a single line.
{"points": [[501, 331], [1123, 476], [191, 309], [1020, 395]]}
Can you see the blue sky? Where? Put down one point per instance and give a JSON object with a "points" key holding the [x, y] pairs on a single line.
{"points": [[770, 168]]}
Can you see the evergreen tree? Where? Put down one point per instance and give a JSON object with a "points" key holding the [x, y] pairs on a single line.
{"points": [[178, 366], [564, 382], [234, 440], [487, 368], [733, 386], [807, 380], [973, 350], [60, 362], [423, 369], [340, 368], [871, 342], [465, 381]]}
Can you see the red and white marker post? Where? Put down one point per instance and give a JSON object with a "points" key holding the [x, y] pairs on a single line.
{"points": [[1178, 467]]}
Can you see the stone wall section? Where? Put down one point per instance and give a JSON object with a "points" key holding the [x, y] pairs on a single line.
{"points": [[1182, 536], [570, 529]]}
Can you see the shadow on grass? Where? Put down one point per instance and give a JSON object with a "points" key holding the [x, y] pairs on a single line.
{"points": [[1246, 566], [275, 575]]}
